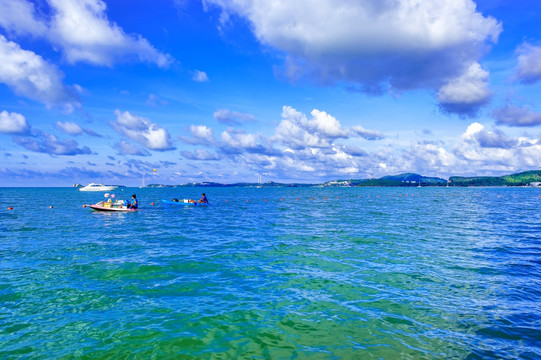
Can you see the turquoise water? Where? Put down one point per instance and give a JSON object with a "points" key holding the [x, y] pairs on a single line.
{"points": [[390, 273]]}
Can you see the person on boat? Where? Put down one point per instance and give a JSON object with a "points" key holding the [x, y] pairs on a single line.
{"points": [[203, 199], [134, 204]]}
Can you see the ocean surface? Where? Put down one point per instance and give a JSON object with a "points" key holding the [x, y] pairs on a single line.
{"points": [[272, 273]]}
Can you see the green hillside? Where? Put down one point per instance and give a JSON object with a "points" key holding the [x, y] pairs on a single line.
{"points": [[519, 179]]}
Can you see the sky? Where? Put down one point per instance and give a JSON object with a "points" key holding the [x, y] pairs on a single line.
{"points": [[304, 91]]}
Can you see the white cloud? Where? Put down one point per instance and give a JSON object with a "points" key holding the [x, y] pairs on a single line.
{"points": [[142, 130], [405, 44], [465, 94], [202, 132], [126, 148], [49, 144], [291, 131], [18, 17], [367, 134], [27, 74], [529, 63], [483, 149], [69, 127], [200, 76], [82, 31], [239, 140], [517, 116], [13, 123], [320, 131], [229, 117]]}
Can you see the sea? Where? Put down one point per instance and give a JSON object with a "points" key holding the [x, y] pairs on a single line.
{"points": [[272, 273]]}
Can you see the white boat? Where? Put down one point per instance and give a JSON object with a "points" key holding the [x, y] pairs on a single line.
{"points": [[117, 206], [97, 187]]}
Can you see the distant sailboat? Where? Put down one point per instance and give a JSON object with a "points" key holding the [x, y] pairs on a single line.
{"points": [[419, 184], [143, 185], [259, 186]]}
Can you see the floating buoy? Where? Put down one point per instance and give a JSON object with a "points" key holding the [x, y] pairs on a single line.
{"points": [[325, 198], [265, 199], [297, 199], [84, 206], [227, 201], [151, 203], [282, 199], [50, 207], [312, 198], [377, 196], [10, 208]]}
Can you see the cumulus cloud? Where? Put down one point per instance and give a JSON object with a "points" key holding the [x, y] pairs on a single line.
{"points": [[200, 135], [367, 134], [18, 17], [516, 116], [297, 131], [27, 74], [44, 142], [373, 44], [466, 94], [126, 148], [234, 142], [483, 149], [142, 131], [200, 76], [476, 132], [529, 63], [82, 31], [69, 127], [72, 128], [13, 123], [229, 117]]}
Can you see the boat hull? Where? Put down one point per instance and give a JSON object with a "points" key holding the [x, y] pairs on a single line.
{"points": [[110, 209], [98, 187]]}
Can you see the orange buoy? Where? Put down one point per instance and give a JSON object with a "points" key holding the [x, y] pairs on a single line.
{"points": [[265, 199], [282, 199], [84, 206], [325, 198], [152, 203], [10, 208], [227, 201], [312, 198]]}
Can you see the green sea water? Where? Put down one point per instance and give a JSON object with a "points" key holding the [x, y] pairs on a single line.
{"points": [[272, 273]]}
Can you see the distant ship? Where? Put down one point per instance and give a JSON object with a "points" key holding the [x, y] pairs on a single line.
{"points": [[98, 187]]}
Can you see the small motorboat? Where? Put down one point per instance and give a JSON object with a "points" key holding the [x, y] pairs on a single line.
{"points": [[98, 187], [118, 206]]}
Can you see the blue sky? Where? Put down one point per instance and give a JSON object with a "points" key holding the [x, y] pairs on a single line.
{"points": [[297, 91]]}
